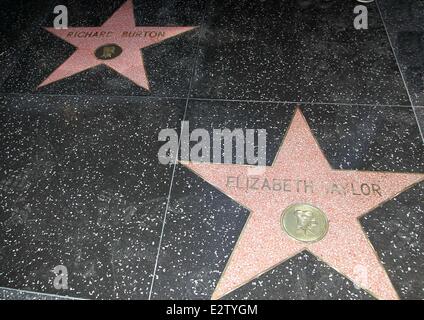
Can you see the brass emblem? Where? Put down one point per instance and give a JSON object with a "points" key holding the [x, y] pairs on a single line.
{"points": [[304, 222], [108, 52]]}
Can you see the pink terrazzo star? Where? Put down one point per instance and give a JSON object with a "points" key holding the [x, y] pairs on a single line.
{"points": [[119, 30], [301, 174]]}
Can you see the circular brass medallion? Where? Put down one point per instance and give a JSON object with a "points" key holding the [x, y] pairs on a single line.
{"points": [[108, 51], [304, 222]]}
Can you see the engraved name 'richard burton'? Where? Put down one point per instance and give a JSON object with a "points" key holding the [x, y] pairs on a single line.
{"points": [[117, 44], [304, 186], [151, 34]]}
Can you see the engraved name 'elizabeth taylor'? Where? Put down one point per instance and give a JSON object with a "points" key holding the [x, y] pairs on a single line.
{"points": [[305, 186]]}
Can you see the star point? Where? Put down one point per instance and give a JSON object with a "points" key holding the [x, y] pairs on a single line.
{"points": [[300, 173], [118, 31]]}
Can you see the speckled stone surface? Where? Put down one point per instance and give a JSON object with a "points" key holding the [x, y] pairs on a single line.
{"points": [[12, 294], [404, 22], [302, 277], [168, 64], [19, 20], [419, 111], [203, 223], [81, 186], [296, 51]]}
